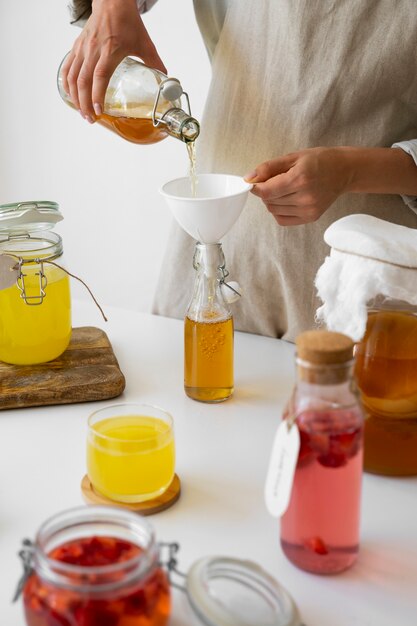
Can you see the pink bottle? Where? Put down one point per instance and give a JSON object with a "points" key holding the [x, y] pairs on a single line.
{"points": [[320, 529]]}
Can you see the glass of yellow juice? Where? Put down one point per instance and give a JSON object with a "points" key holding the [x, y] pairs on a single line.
{"points": [[130, 452]]}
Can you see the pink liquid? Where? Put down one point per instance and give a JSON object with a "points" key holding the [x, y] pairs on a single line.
{"points": [[320, 529]]}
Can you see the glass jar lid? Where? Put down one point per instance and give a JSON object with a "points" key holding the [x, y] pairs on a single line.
{"points": [[230, 592], [26, 217]]}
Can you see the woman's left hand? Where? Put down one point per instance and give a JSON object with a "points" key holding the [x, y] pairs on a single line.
{"points": [[298, 187]]}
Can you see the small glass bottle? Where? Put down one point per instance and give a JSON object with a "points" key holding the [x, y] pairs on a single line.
{"points": [[35, 310], [142, 105], [320, 528], [208, 363], [96, 565]]}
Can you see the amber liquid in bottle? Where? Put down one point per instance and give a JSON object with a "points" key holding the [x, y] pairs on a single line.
{"points": [[134, 129], [209, 359], [386, 371]]}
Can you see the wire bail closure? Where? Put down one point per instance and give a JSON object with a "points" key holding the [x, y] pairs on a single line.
{"points": [[43, 281], [224, 274], [170, 562], [26, 556], [172, 90]]}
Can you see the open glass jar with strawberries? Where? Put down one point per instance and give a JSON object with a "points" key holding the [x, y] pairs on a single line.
{"points": [[96, 566], [101, 566]]}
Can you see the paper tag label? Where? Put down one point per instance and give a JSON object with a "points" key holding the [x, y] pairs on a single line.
{"points": [[8, 275], [281, 469]]}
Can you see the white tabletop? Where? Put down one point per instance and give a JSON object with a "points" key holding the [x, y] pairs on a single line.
{"points": [[222, 456]]}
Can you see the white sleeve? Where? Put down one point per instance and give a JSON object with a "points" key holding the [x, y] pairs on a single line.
{"points": [[410, 147], [145, 5]]}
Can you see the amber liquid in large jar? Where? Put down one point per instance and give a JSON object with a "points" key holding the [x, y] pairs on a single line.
{"points": [[208, 374], [386, 371], [135, 129]]}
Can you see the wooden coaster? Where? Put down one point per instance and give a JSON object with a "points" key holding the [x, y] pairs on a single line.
{"points": [[149, 507]]}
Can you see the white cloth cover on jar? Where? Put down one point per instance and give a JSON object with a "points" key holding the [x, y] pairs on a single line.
{"points": [[369, 257]]}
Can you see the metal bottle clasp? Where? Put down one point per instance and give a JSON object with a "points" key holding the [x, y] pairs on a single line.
{"points": [[172, 90], [43, 281], [26, 556], [168, 559]]}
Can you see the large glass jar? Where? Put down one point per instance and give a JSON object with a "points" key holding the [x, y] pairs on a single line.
{"points": [[96, 566], [386, 371], [368, 286], [35, 310]]}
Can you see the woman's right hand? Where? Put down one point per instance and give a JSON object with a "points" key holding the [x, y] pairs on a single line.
{"points": [[113, 31]]}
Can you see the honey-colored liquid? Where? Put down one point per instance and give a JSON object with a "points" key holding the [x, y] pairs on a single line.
{"points": [[193, 167], [208, 367], [39, 333], [131, 458], [134, 129], [386, 371]]}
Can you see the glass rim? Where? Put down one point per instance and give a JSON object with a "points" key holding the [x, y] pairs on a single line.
{"points": [[170, 420], [53, 569], [54, 249]]}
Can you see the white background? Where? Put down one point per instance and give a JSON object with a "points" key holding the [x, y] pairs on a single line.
{"points": [[116, 225]]}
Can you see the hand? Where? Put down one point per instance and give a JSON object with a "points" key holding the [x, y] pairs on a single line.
{"points": [[298, 187], [113, 31]]}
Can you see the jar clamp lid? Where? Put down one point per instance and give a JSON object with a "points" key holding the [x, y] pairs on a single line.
{"points": [[25, 217], [231, 592]]}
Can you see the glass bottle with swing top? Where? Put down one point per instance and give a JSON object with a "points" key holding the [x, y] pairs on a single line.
{"points": [[35, 303], [143, 105], [208, 339]]}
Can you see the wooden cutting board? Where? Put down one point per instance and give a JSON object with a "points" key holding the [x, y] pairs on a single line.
{"points": [[87, 371]]}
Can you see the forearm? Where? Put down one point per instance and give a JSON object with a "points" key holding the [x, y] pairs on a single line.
{"points": [[379, 170]]}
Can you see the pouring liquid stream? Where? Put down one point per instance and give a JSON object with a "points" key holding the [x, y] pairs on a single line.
{"points": [[192, 171]]}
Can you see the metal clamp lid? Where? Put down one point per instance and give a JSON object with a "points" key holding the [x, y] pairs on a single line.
{"points": [[231, 592], [224, 591], [29, 216]]}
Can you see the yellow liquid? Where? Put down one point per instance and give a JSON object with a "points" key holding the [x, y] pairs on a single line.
{"points": [[208, 366], [35, 334], [130, 458], [193, 167]]}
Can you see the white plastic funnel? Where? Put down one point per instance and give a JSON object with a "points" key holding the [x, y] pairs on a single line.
{"points": [[209, 215]]}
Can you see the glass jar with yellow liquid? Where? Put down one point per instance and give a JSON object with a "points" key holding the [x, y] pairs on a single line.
{"points": [[130, 452], [35, 304], [208, 336], [143, 105]]}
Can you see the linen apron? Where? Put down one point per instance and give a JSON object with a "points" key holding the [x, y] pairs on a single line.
{"points": [[288, 75]]}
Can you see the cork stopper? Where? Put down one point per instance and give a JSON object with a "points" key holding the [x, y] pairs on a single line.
{"points": [[324, 357]]}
